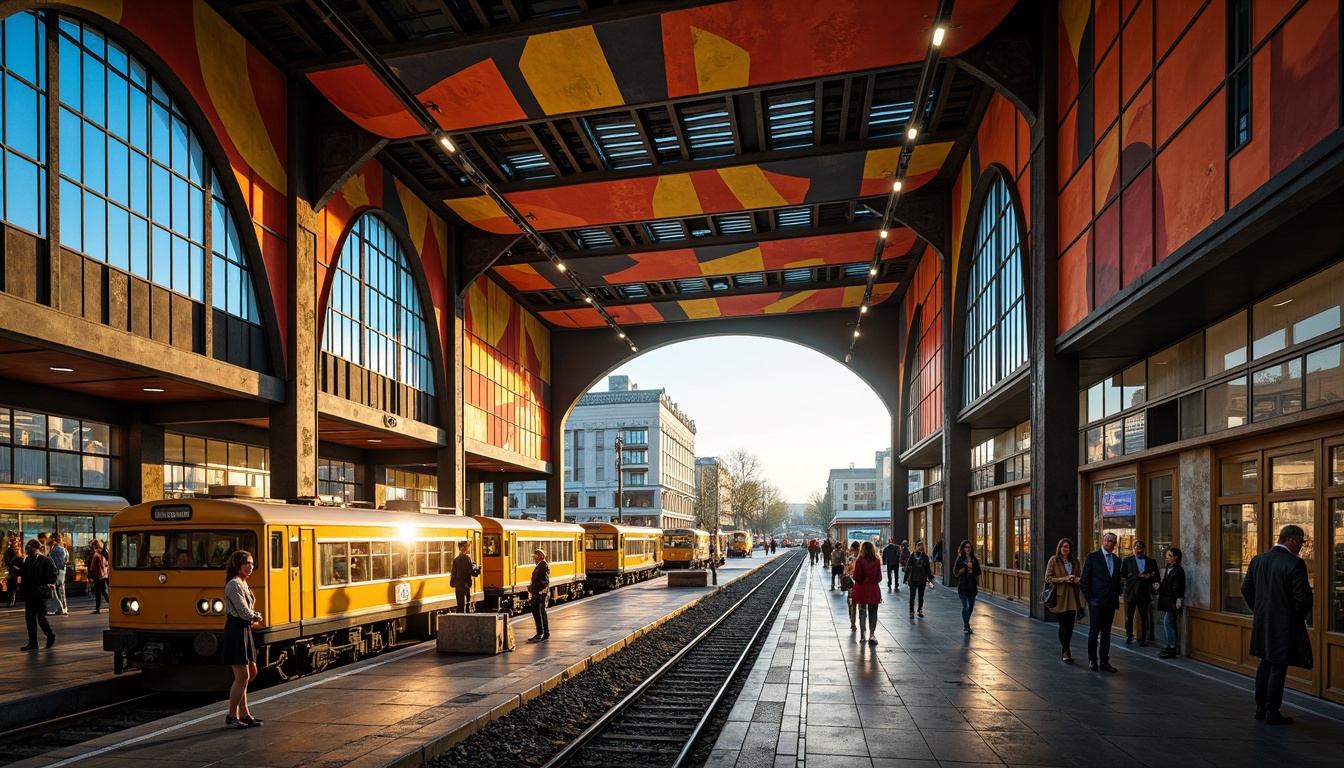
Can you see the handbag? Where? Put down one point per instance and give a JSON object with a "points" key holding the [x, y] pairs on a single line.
{"points": [[1048, 595], [846, 583], [46, 591]]}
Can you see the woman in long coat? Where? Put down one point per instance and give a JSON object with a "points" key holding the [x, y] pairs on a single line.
{"points": [[867, 591], [1063, 571]]}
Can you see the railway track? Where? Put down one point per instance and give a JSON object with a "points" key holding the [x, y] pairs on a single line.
{"points": [[661, 721]]}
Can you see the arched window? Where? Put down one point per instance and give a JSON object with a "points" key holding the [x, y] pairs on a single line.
{"points": [[374, 318], [136, 190], [996, 315]]}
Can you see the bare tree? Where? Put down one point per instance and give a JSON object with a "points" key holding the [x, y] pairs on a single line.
{"points": [[745, 485], [820, 511]]}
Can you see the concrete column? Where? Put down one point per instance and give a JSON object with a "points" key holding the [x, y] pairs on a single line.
{"points": [[1054, 379], [500, 504], [142, 466], [956, 436], [452, 457], [474, 490]]}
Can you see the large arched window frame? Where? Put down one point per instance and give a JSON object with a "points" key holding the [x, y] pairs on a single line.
{"points": [[136, 189], [996, 343], [374, 314]]}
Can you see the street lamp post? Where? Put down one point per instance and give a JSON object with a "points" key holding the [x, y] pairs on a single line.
{"points": [[620, 481]]}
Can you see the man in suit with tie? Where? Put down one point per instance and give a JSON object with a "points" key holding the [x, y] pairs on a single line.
{"points": [[1101, 588], [1139, 574], [1278, 593]]}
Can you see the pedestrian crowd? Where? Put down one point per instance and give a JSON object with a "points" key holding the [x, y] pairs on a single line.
{"points": [[35, 574]]}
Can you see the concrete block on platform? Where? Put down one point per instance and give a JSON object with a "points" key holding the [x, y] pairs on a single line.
{"points": [[688, 578], [477, 633]]}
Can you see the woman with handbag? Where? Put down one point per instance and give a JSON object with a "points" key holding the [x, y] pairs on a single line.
{"points": [[966, 570], [866, 594], [1062, 595], [1171, 598]]}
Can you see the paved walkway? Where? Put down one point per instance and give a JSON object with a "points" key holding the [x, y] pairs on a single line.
{"points": [[929, 695], [78, 656]]}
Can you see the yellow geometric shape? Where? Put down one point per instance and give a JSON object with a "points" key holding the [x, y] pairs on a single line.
{"points": [[804, 263], [881, 163], [853, 296], [701, 309], [500, 308], [417, 217], [108, 9], [540, 336], [1074, 14], [719, 64], [568, 72], [788, 303], [223, 56], [927, 157], [675, 196], [474, 209], [751, 188], [744, 261], [355, 192]]}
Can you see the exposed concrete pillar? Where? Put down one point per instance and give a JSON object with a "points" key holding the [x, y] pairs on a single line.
{"points": [[956, 436], [1054, 379], [499, 506], [143, 469], [452, 457], [293, 433], [472, 503]]}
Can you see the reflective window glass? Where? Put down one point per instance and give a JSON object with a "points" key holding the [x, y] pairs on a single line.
{"points": [[1225, 345], [1225, 404], [1237, 477], [1293, 473], [1325, 377], [1298, 314], [1239, 542], [24, 146], [996, 322], [1337, 565], [1276, 390]]}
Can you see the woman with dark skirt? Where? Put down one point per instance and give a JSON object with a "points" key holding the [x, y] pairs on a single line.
{"points": [[239, 651], [1063, 571], [966, 572]]}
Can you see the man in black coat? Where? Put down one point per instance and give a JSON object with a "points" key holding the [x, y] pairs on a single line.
{"points": [[1139, 573], [1279, 595], [460, 577], [1101, 588], [38, 576], [891, 559]]}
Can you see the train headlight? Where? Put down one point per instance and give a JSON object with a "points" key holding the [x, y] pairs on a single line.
{"points": [[130, 606], [217, 606], [203, 607]]}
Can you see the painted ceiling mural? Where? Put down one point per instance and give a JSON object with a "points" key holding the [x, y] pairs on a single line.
{"points": [[706, 49]]}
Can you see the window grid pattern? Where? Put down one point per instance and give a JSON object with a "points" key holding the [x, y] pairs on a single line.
{"points": [[402, 484], [996, 319], [24, 67], [45, 449], [193, 464], [374, 318], [338, 478], [924, 394]]}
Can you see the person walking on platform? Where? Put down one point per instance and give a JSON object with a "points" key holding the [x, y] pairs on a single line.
{"points": [[60, 557], [1279, 595], [462, 572], [1171, 600], [813, 549], [98, 576], [13, 564], [966, 570], [539, 590], [918, 575], [891, 558], [1100, 584], [1063, 573], [238, 650], [826, 548], [866, 593], [837, 565], [1138, 575], [848, 586], [37, 583]]}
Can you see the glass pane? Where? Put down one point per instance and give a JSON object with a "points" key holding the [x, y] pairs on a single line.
{"points": [[1133, 385], [1225, 345], [1096, 403], [1277, 390], [1299, 314], [1293, 473], [1192, 415], [1160, 511], [1114, 437], [1325, 377], [1298, 513], [1115, 505], [1238, 477], [1239, 541], [1226, 405], [30, 429], [1337, 465], [1134, 433], [1176, 367], [1337, 567], [1093, 445]]}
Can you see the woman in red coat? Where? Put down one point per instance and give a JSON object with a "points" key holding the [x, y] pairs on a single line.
{"points": [[867, 590]]}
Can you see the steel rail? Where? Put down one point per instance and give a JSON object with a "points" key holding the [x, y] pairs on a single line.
{"points": [[606, 720]]}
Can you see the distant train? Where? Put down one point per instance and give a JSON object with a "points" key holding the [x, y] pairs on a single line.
{"points": [[739, 544], [333, 584], [686, 548], [621, 554]]}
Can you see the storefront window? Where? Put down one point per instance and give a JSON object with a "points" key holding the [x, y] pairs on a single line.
{"points": [[1114, 502], [984, 532], [1296, 472], [1238, 477], [1160, 511], [1240, 541], [1022, 532], [1337, 565], [1337, 465], [1325, 377], [1301, 513]]}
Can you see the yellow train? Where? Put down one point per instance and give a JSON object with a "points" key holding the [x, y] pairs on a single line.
{"points": [[739, 544], [333, 584], [685, 548], [621, 554]]}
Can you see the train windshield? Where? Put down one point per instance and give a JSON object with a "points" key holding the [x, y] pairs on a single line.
{"points": [[600, 542], [679, 540], [179, 549]]}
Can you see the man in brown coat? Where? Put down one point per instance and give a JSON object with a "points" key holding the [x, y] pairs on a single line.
{"points": [[1279, 595]]}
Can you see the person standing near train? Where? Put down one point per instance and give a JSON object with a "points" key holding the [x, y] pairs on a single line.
{"points": [[98, 576], [37, 579], [460, 581], [60, 557], [239, 652], [539, 590]]}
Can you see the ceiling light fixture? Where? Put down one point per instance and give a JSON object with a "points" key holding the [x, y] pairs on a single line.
{"points": [[62, 369], [938, 33], [153, 389], [883, 235], [896, 186], [863, 310], [447, 143], [560, 265], [912, 134], [872, 271], [375, 440]]}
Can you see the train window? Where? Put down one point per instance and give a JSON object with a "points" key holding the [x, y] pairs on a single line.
{"points": [[600, 542], [359, 561], [294, 552], [492, 545], [638, 546], [178, 549], [378, 556], [401, 557], [435, 558], [334, 563], [277, 549]]}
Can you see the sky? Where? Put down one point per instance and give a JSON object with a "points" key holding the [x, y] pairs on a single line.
{"points": [[799, 411]]}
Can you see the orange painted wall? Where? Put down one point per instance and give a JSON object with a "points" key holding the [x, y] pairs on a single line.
{"points": [[925, 294], [506, 376], [1143, 159]]}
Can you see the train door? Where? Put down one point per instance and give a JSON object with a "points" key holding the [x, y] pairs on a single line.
{"points": [[476, 552], [279, 600], [511, 562], [303, 569]]}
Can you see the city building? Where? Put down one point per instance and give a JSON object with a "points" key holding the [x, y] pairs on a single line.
{"points": [[854, 488], [714, 489], [657, 460]]}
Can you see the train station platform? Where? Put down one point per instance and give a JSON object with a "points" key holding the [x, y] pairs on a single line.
{"points": [[929, 695], [399, 708]]}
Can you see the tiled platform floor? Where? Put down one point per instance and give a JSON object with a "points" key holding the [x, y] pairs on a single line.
{"points": [[77, 657], [929, 695]]}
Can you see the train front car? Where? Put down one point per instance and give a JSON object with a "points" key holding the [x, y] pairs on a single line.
{"points": [[506, 562], [616, 555], [685, 548], [739, 544], [333, 584]]}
